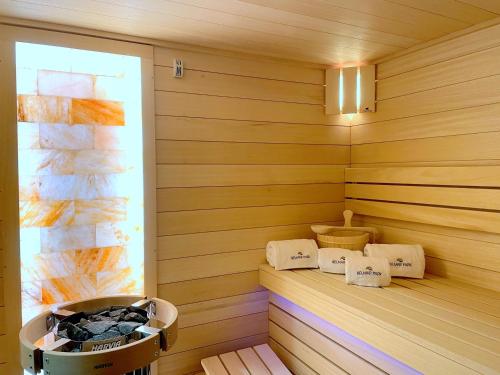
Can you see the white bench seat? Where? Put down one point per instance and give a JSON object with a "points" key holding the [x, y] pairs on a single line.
{"points": [[257, 360]]}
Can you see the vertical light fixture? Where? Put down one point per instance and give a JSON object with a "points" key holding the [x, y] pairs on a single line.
{"points": [[350, 90]]}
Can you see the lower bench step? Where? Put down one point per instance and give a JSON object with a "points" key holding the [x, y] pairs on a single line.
{"points": [[257, 360]]}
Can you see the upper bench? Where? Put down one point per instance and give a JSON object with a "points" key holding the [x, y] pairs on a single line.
{"points": [[434, 325]]}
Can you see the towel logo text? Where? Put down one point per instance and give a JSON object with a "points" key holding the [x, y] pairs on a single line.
{"points": [[339, 261], [368, 272], [300, 256], [400, 263]]}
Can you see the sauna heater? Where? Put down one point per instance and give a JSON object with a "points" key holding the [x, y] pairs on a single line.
{"points": [[102, 336]]}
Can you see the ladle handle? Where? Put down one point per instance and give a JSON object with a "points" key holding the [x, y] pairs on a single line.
{"points": [[348, 217]]}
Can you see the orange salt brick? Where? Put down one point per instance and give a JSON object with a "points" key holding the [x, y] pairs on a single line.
{"points": [[100, 259], [48, 109], [46, 213], [124, 281], [97, 112], [70, 288]]}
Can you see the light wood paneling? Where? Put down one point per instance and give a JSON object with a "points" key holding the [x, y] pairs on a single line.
{"points": [[457, 218], [200, 82], [337, 336], [458, 176], [3, 353], [473, 120], [464, 68], [179, 199], [204, 289], [200, 129], [184, 245], [486, 199], [438, 107], [245, 66], [231, 175], [385, 322], [234, 108], [456, 148], [306, 354], [453, 48], [223, 308], [245, 154], [341, 356], [332, 32], [220, 331], [187, 152], [293, 363], [189, 361], [183, 222], [190, 268], [481, 91]]}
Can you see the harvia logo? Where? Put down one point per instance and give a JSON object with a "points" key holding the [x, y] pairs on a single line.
{"points": [[368, 271], [109, 345], [400, 263], [104, 365], [300, 255], [339, 261]]}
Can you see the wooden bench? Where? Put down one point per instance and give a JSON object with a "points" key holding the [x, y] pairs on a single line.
{"points": [[257, 360], [431, 326]]}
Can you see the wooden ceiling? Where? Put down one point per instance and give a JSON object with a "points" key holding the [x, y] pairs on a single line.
{"points": [[322, 31]]}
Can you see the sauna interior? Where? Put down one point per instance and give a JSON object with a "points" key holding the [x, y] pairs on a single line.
{"points": [[169, 149]]}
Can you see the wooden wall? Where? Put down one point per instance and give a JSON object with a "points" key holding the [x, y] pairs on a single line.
{"points": [[437, 128], [245, 154]]}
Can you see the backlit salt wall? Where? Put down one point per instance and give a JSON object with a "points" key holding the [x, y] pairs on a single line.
{"points": [[80, 175]]}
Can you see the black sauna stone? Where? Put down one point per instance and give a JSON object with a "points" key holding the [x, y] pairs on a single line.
{"points": [[76, 333], [135, 317], [127, 327], [111, 334], [97, 328], [118, 312]]}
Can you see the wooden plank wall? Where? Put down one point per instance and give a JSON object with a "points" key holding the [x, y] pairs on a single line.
{"points": [[245, 154], [437, 128], [308, 344]]}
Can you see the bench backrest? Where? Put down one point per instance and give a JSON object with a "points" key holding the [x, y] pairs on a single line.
{"points": [[454, 212]]}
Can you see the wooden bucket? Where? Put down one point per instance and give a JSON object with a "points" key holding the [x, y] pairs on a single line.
{"points": [[346, 237]]}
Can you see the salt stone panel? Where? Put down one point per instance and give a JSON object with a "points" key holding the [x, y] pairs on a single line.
{"points": [[125, 281], [29, 188], [28, 135], [26, 81], [46, 213], [97, 112], [101, 259], [68, 238], [67, 187], [51, 109], [31, 293], [30, 243], [110, 88], [112, 185], [111, 138], [97, 63], [112, 234], [73, 85], [48, 266], [46, 162], [71, 288], [66, 137], [100, 211], [100, 161]]}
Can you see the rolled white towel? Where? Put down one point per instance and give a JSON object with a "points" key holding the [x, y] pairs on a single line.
{"points": [[367, 271], [289, 254], [405, 260], [332, 259]]}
